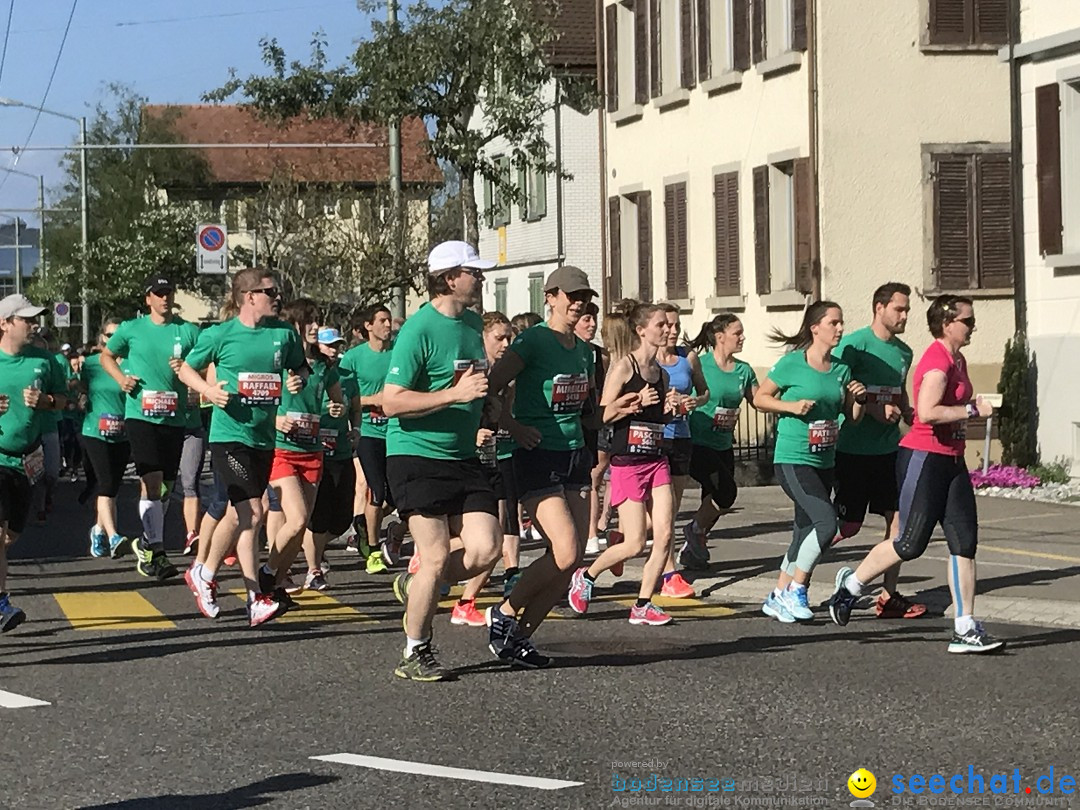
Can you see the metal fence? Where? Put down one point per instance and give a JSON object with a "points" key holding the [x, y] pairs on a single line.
{"points": [[755, 435]]}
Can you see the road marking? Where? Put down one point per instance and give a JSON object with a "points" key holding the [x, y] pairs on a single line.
{"points": [[314, 607], [1043, 555], [1019, 517], [9, 700], [466, 774], [111, 610]]}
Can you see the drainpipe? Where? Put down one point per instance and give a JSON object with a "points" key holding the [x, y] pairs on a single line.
{"points": [[811, 59], [1017, 165], [601, 111], [559, 225]]}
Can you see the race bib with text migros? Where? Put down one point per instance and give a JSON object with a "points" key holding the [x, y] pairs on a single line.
{"points": [[569, 392], [256, 388], [160, 403]]}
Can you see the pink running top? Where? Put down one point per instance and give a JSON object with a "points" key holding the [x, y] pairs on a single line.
{"points": [[947, 439]]}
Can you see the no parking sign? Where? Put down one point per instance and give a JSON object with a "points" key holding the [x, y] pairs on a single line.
{"points": [[61, 314], [212, 249]]}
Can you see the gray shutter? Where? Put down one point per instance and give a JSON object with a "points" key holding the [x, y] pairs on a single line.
{"points": [[740, 34], [762, 269], [655, 74], [950, 22], [1048, 167], [991, 22], [798, 25], [757, 31], [611, 64], [614, 280], [641, 51], [804, 226], [643, 199], [953, 222], [704, 40], [726, 232], [686, 43], [993, 215]]}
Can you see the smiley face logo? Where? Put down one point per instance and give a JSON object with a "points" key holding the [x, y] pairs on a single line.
{"points": [[862, 784]]}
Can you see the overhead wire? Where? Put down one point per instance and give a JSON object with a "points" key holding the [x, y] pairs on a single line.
{"points": [[7, 34]]}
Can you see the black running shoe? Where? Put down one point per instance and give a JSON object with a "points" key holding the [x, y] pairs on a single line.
{"points": [[523, 654], [421, 666], [503, 632], [161, 568], [975, 640], [842, 600]]}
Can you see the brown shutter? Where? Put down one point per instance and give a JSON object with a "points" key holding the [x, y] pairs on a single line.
{"points": [[798, 25], [682, 265], [762, 270], [992, 22], [704, 40], [675, 240], [953, 230], [1048, 167], [740, 34], [641, 51], [757, 31], [686, 43], [655, 74], [950, 22], [726, 227], [804, 226], [615, 250], [644, 244], [993, 214], [612, 63]]}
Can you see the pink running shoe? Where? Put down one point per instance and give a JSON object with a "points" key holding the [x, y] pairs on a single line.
{"points": [[675, 587], [650, 615], [466, 613], [580, 592], [190, 542]]}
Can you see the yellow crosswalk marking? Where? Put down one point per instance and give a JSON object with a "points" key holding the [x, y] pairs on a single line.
{"points": [[111, 610], [678, 608], [316, 607]]}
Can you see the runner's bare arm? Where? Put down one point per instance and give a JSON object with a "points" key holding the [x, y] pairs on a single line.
{"points": [[766, 400], [616, 406], [698, 378], [505, 371], [111, 365]]}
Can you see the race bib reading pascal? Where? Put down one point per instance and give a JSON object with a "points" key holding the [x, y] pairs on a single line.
{"points": [[255, 388], [569, 392], [461, 366], [724, 420], [329, 439], [111, 425], [160, 403], [823, 434], [644, 438], [305, 426], [34, 464], [882, 395]]}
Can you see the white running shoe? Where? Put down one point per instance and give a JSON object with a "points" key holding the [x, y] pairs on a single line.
{"points": [[205, 595], [262, 609], [593, 546]]}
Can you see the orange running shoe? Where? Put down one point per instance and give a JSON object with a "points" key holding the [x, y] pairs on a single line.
{"points": [[676, 587]]}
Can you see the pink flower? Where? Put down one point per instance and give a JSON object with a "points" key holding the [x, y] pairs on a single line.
{"points": [[1000, 475]]}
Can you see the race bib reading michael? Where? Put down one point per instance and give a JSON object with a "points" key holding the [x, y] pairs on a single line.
{"points": [[883, 394], [305, 426], [644, 438], [254, 388], [111, 425], [724, 420], [569, 392], [461, 366], [823, 434], [160, 403]]}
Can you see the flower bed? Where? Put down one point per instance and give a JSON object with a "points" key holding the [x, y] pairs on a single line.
{"points": [[1000, 475]]}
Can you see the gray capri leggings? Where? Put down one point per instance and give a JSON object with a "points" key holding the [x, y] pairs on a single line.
{"points": [[815, 516], [192, 460]]}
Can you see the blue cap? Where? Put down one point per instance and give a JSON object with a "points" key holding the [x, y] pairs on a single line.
{"points": [[329, 336]]}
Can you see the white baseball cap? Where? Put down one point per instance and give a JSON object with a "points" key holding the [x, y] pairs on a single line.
{"points": [[453, 254], [18, 306]]}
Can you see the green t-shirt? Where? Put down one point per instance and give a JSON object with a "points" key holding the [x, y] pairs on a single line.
{"points": [[368, 368], [882, 366], [552, 387], [50, 420], [21, 427], [334, 432], [306, 409], [810, 439], [250, 360], [159, 397], [104, 403], [431, 352], [713, 424]]}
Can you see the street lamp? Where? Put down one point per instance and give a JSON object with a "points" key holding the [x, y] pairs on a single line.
{"points": [[83, 301], [41, 227]]}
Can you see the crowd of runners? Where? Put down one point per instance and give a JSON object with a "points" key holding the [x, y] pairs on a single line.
{"points": [[468, 432]]}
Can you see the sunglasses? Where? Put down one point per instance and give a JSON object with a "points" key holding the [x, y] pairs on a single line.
{"points": [[161, 293], [269, 292], [108, 334], [969, 322], [24, 319]]}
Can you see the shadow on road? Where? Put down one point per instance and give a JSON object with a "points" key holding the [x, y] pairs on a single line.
{"points": [[256, 794]]}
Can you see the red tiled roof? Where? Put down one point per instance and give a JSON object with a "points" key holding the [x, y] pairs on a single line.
{"points": [[213, 123]]}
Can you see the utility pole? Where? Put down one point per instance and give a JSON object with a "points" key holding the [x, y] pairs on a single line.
{"points": [[41, 226], [397, 306], [18, 259], [84, 299]]}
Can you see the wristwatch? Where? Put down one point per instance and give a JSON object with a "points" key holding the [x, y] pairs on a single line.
{"points": [[972, 411]]}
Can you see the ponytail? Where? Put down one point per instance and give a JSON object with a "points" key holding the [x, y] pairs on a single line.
{"points": [[804, 337], [706, 339]]}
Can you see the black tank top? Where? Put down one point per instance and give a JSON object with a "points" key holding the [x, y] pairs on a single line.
{"points": [[640, 437]]}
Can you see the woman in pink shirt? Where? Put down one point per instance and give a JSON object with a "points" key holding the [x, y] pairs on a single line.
{"points": [[934, 484]]}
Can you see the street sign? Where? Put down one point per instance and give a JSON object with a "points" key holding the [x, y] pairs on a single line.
{"points": [[61, 314], [212, 249]]}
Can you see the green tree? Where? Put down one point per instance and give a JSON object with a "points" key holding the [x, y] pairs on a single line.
{"points": [[1017, 418], [443, 63]]}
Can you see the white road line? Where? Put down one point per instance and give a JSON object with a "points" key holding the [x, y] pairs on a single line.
{"points": [[9, 700], [1018, 517], [426, 769]]}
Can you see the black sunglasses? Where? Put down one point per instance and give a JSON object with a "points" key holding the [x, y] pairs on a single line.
{"points": [[269, 292], [969, 322]]}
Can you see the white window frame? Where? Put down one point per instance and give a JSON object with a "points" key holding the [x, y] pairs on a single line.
{"points": [[721, 36], [670, 52], [777, 28], [1070, 165], [782, 226]]}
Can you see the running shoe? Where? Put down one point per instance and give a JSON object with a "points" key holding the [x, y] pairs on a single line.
{"points": [[592, 546], [291, 586], [151, 562], [117, 546], [414, 561], [316, 581], [797, 601], [897, 607], [523, 653], [262, 609], [465, 613], [190, 542], [649, 614], [777, 609], [391, 543], [694, 553], [842, 600], [580, 592], [230, 558], [401, 587], [375, 564], [361, 535], [350, 545], [194, 570], [205, 595], [675, 587], [10, 616], [502, 632], [99, 542], [421, 665], [510, 582], [613, 539], [975, 640], [324, 565]]}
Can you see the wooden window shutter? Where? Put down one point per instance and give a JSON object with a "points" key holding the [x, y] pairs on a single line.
{"points": [[762, 270], [1048, 167], [682, 265], [991, 23], [489, 202], [677, 275], [757, 31], [804, 226], [655, 73], [953, 227], [740, 34], [686, 43], [993, 215], [726, 228], [641, 51], [611, 15], [798, 25], [704, 39], [614, 279], [644, 244], [950, 22]]}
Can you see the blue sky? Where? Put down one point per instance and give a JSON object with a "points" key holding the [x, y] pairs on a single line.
{"points": [[168, 51]]}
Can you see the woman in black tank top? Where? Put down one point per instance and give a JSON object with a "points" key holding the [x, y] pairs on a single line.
{"points": [[636, 403]]}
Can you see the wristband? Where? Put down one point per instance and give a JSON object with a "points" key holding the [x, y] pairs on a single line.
{"points": [[861, 400], [972, 411]]}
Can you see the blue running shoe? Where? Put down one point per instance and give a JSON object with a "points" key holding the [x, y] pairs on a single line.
{"points": [[842, 600], [798, 604], [777, 609], [118, 545], [10, 616], [99, 542]]}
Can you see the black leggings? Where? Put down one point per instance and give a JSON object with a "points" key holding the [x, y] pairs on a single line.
{"points": [[934, 489], [815, 517], [108, 461]]}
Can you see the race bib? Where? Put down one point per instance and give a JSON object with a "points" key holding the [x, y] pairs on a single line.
{"points": [[305, 426], [34, 464], [461, 366], [569, 392], [486, 452], [160, 403], [724, 420], [329, 439], [110, 425], [377, 416], [883, 395], [644, 438], [258, 389], [823, 434]]}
